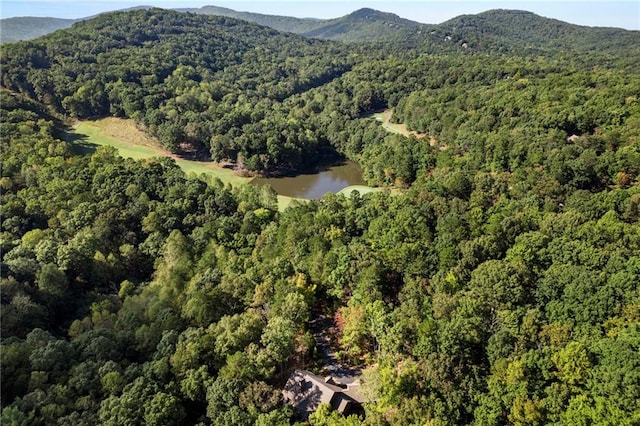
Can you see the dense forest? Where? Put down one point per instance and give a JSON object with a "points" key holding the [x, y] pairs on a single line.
{"points": [[496, 282]]}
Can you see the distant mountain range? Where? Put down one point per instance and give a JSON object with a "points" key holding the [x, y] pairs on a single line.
{"points": [[29, 27], [280, 23], [496, 30], [361, 25]]}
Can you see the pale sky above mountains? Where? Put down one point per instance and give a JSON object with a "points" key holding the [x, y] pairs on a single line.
{"points": [[621, 14]]}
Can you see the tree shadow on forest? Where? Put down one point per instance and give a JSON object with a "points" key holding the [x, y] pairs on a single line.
{"points": [[322, 166], [80, 143]]}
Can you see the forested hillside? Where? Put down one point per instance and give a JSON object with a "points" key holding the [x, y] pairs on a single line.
{"points": [[520, 31], [360, 25], [498, 283], [190, 79]]}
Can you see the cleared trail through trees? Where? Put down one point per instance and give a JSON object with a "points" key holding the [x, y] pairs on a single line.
{"points": [[322, 327], [399, 128]]}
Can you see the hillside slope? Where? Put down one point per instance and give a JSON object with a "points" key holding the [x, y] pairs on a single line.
{"points": [[521, 31], [362, 25], [186, 77]]}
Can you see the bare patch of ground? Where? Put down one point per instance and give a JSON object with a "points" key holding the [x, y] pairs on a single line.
{"points": [[400, 128]]}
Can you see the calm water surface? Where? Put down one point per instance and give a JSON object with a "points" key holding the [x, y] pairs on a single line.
{"points": [[315, 185]]}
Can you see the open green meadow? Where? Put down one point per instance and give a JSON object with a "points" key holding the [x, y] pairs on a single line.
{"points": [[362, 189], [133, 143]]}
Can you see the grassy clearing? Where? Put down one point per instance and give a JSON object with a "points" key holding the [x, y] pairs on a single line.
{"points": [[86, 137], [284, 201], [362, 189], [134, 143]]}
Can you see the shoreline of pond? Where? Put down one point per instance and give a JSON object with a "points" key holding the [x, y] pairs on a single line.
{"points": [[89, 134]]}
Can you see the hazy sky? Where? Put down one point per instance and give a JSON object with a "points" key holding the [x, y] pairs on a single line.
{"points": [[622, 14]]}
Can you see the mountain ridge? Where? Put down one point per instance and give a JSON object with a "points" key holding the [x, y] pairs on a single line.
{"points": [[364, 24], [360, 25], [508, 29]]}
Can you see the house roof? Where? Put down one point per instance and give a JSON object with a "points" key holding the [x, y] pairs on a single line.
{"points": [[306, 391]]}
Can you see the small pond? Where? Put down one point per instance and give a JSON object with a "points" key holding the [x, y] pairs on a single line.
{"points": [[315, 185]]}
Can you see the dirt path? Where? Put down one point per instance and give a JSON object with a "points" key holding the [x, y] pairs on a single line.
{"points": [[400, 128], [321, 327]]}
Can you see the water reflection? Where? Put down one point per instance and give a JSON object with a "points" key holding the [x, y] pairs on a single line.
{"points": [[315, 185]]}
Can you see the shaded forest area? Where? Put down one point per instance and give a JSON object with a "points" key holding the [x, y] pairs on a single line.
{"points": [[499, 284]]}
